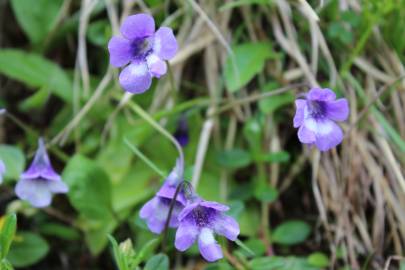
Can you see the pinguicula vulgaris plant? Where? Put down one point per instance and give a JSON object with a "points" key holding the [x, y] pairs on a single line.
{"points": [[316, 115], [144, 49], [40, 181]]}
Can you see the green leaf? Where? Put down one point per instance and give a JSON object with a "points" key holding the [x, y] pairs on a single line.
{"points": [[28, 249], [99, 32], [281, 263], [13, 159], [276, 157], [249, 60], [35, 101], [146, 251], [291, 232], [7, 232], [271, 104], [266, 193], [90, 195], [58, 230], [36, 19], [318, 259], [119, 257], [36, 72], [234, 158], [157, 262]]}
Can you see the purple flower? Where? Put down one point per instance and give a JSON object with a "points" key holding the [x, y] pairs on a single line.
{"points": [[316, 116], [144, 49], [40, 181], [181, 133], [200, 220], [156, 211], [2, 170]]}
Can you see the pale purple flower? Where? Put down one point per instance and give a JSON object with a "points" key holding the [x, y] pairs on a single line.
{"points": [[201, 220], [2, 170], [316, 116], [144, 49], [156, 211], [38, 184]]}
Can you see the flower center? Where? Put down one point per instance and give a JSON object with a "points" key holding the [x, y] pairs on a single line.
{"points": [[317, 109], [202, 216], [141, 47]]}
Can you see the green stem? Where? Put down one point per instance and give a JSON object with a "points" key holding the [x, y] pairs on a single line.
{"points": [[144, 158], [143, 114]]}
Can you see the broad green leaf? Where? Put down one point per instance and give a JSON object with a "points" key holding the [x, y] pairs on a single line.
{"points": [[265, 193], [318, 259], [59, 230], [157, 262], [36, 19], [234, 158], [271, 104], [35, 101], [36, 72], [276, 157], [7, 232], [291, 232], [28, 249], [281, 263], [249, 60], [13, 159], [89, 188], [90, 195], [99, 32]]}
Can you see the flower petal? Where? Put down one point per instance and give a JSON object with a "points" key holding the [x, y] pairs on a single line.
{"points": [[165, 44], [306, 135], [156, 66], [208, 247], [2, 170], [319, 94], [41, 166], [58, 187], [186, 234], [120, 51], [187, 210], [36, 192], [148, 208], [329, 135], [215, 205], [138, 26], [337, 110], [135, 78], [299, 114], [227, 226]]}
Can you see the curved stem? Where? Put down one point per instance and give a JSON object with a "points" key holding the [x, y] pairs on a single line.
{"points": [[143, 114]]}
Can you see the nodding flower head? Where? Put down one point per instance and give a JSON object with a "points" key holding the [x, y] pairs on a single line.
{"points": [[144, 49], [2, 170], [181, 133], [201, 220], [156, 211], [38, 184], [316, 116]]}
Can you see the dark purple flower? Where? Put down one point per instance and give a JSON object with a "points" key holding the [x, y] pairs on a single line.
{"points": [[40, 181], [144, 49], [316, 116], [201, 220], [181, 133], [156, 211], [2, 170]]}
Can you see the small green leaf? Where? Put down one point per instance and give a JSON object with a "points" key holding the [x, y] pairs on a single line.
{"points": [[318, 259], [248, 60], [234, 158], [266, 193], [36, 72], [99, 32], [119, 257], [273, 103], [157, 262], [28, 249], [58, 230], [7, 232], [146, 250], [291, 232], [36, 19], [13, 159], [276, 157]]}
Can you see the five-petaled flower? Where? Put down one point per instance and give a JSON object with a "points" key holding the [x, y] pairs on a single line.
{"points": [[200, 220], [144, 49], [156, 211], [2, 170], [316, 115], [38, 184]]}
